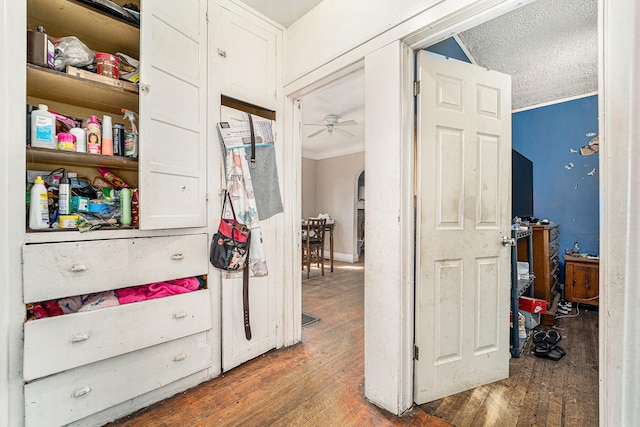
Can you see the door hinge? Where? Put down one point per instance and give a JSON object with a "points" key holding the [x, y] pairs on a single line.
{"points": [[206, 15], [416, 352], [416, 88]]}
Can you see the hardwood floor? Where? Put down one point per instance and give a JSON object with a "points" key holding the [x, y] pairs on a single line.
{"points": [[319, 382]]}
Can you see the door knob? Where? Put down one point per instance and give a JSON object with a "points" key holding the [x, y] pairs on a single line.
{"points": [[508, 241]]}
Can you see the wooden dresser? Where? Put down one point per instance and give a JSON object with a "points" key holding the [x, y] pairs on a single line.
{"points": [[582, 283], [546, 261]]}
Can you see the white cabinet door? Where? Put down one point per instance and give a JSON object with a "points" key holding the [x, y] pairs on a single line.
{"points": [[173, 73], [464, 172], [245, 56]]}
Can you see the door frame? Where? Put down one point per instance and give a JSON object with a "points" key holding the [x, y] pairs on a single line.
{"points": [[617, 37]]}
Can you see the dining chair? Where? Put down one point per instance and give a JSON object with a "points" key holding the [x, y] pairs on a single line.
{"points": [[313, 243]]}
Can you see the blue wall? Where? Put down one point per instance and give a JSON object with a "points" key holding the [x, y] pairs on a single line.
{"points": [[551, 137]]}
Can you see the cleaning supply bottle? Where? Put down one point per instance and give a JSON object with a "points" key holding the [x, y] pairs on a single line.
{"points": [[125, 207], [94, 144], [64, 196], [130, 135], [112, 179], [107, 136], [38, 206], [43, 128]]}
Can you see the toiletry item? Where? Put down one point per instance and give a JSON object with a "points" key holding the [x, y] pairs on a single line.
{"points": [[68, 221], [64, 194], [79, 204], [575, 250], [112, 179], [131, 135], [94, 144], [125, 207], [134, 208], [81, 139], [38, 206], [107, 139], [118, 139], [66, 142], [40, 49], [43, 128]]}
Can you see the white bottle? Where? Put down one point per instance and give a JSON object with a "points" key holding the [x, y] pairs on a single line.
{"points": [[43, 128], [81, 139], [64, 195], [38, 206]]}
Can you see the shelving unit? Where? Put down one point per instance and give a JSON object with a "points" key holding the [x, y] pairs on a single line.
{"points": [[519, 287]]}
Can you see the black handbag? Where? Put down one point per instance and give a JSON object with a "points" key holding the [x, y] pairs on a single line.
{"points": [[230, 244]]}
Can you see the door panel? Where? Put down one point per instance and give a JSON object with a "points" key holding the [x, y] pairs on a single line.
{"points": [[463, 188], [172, 146]]}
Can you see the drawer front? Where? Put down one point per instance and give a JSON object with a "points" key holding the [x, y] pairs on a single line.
{"points": [[76, 268], [55, 344], [554, 261], [554, 233], [80, 392]]}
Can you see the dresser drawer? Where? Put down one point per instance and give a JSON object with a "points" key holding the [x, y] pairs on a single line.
{"points": [[554, 233], [80, 392], [55, 344], [76, 268]]}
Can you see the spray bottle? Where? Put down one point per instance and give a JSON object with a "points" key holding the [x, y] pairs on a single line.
{"points": [[130, 135]]}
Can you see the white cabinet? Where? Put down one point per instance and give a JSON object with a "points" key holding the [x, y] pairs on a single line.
{"points": [[245, 55], [78, 364]]}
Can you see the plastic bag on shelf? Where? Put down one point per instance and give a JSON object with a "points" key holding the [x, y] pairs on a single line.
{"points": [[71, 51]]}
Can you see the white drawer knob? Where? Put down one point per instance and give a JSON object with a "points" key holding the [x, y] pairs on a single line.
{"points": [[177, 257], [180, 315], [77, 268], [180, 357], [81, 391], [80, 337]]}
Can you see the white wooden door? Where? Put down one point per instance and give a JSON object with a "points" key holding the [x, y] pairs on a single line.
{"points": [[245, 55], [463, 201], [173, 75], [236, 349]]}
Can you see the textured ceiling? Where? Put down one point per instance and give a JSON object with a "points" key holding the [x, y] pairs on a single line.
{"points": [[549, 47]]}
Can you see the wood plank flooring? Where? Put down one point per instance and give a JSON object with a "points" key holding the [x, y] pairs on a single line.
{"points": [[319, 382]]}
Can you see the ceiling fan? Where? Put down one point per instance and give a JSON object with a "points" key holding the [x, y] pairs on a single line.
{"points": [[331, 123]]}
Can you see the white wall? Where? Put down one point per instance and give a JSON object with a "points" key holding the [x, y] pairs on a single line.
{"points": [[336, 182]]}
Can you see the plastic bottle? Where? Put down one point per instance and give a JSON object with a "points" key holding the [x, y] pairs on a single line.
{"points": [[81, 139], [113, 179], [38, 206], [131, 135], [94, 144], [125, 207], [43, 128], [107, 136], [64, 196]]}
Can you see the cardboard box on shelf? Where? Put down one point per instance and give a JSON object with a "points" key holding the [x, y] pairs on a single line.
{"points": [[532, 305]]}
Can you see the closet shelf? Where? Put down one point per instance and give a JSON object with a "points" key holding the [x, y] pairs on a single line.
{"points": [[57, 157], [53, 85], [100, 31]]}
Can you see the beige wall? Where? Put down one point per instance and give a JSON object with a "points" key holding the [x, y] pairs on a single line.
{"points": [[329, 186], [309, 188]]}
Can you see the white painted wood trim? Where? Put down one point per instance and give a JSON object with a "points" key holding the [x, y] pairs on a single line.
{"points": [[557, 101], [12, 209], [388, 318], [619, 35]]}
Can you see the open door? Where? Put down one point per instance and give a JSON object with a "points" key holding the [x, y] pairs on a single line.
{"points": [[463, 201]]}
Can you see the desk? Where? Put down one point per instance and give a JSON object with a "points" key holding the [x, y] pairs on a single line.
{"points": [[329, 227]]}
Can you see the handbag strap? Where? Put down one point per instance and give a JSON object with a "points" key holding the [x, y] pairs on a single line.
{"points": [[228, 197], [253, 143]]}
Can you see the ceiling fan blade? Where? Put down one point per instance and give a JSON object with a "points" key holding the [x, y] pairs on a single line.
{"points": [[343, 131], [313, 124], [346, 123], [316, 133]]}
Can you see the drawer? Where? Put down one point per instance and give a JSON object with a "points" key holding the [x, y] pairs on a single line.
{"points": [[76, 268], [80, 392], [554, 261], [554, 233], [55, 344]]}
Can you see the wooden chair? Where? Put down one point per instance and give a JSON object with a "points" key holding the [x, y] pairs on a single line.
{"points": [[313, 243]]}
